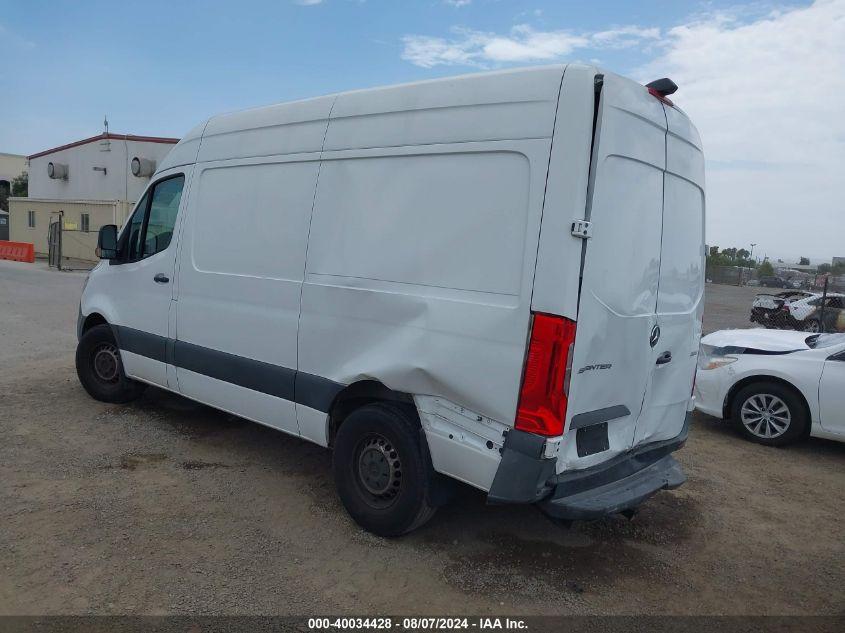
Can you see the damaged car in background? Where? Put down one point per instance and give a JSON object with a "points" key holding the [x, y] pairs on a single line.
{"points": [[799, 310], [768, 308], [776, 387]]}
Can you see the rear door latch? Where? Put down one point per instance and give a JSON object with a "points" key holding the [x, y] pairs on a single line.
{"points": [[582, 229]]}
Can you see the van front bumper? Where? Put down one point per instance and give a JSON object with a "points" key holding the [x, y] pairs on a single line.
{"points": [[617, 485]]}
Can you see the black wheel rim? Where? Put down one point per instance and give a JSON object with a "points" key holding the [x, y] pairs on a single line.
{"points": [[105, 361], [377, 470]]}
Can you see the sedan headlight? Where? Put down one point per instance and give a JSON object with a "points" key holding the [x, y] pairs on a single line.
{"points": [[711, 357]]}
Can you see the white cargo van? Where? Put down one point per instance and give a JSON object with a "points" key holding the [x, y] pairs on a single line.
{"points": [[495, 279]]}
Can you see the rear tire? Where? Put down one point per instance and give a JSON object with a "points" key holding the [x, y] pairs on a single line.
{"points": [[379, 470], [770, 413], [100, 369]]}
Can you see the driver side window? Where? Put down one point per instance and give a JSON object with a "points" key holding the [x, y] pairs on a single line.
{"points": [[162, 216], [130, 238], [150, 229]]}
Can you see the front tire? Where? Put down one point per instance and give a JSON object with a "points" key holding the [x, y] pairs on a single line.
{"points": [[100, 368], [770, 413], [379, 469]]}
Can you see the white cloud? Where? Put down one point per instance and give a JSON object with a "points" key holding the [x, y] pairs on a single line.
{"points": [[458, 3], [767, 92], [768, 97], [624, 37], [308, 3], [522, 44]]}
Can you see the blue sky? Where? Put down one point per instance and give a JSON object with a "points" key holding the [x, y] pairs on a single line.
{"points": [[762, 80], [161, 67]]}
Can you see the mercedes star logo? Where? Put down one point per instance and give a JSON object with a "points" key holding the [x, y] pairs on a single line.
{"points": [[655, 335]]}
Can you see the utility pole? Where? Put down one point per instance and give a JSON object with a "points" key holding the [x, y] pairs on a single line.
{"points": [[751, 256]]}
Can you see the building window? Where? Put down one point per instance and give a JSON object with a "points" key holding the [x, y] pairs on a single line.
{"points": [[30, 219], [84, 223]]}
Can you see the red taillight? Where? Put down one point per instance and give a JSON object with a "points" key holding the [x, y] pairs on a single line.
{"points": [[544, 392], [662, 97]]}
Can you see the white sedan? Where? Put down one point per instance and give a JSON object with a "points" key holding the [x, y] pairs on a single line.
{"points": [[776, 386]]}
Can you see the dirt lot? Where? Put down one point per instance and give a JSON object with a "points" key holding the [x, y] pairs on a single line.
{"points": [[164, 506]]}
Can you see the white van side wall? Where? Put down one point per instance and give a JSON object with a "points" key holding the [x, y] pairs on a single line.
{"points": [[242, 260], [409, 218], [422, 251]]}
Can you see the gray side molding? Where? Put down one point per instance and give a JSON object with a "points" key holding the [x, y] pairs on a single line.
{"points": [[312, 391]]}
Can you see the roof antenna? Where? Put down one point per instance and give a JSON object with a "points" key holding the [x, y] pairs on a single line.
{"points": [[105, 144]]}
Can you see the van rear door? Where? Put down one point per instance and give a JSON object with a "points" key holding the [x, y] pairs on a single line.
{"points": [[612, 358], [680, 291], [640, 304]]}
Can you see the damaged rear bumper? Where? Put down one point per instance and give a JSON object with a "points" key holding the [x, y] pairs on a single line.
{"points": [[617, 485]]}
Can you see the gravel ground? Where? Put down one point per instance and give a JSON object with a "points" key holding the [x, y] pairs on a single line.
{"points": [[164, 506], [728, 307]]}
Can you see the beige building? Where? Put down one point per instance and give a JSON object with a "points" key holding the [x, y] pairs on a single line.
{"points": [[82, 186]]}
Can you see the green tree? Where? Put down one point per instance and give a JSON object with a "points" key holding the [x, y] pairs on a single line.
{"points": [[20, 186], [823, 268], [766, 269], [730, 257], [804, 261]]}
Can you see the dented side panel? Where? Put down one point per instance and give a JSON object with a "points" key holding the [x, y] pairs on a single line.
{"points": [[419, 270], [422, 251], [462, 443]]}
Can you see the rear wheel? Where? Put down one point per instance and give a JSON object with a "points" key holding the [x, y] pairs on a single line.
{"points": [[770, 413], [100, 369], [379, 470]]}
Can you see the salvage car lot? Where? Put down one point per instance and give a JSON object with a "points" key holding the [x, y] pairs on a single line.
{"points": [[164, 506]]}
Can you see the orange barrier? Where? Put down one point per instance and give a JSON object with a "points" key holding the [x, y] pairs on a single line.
{"points": [[17, 251]]}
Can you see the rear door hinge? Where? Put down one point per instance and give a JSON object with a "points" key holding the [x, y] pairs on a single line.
{"points": [[582, 229]]}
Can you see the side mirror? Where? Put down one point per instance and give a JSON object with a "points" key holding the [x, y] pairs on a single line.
{"points": [[107, 242]]}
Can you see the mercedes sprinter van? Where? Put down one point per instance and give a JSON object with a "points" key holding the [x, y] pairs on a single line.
{"points": [[495, 279]]}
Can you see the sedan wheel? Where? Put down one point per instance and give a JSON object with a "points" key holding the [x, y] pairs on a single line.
{"points": [[770, 412], [765, 416]]}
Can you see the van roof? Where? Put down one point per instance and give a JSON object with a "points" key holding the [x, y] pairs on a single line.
{"points": [[533, 85], [292, 125], [410, 84]]}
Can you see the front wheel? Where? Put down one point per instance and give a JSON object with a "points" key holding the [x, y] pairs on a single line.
{"points": [[379, 470], [100, 369], [770, 413]]}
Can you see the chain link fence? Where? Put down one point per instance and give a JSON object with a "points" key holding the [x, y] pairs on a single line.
{"points": [[790, 299]]}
